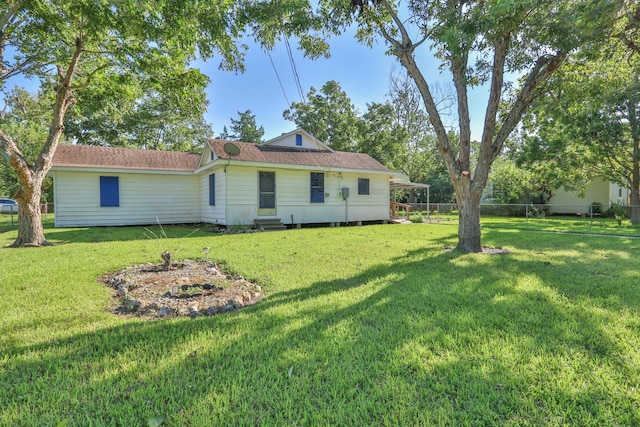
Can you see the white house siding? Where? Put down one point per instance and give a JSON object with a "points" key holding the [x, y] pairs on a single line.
{"points": [[213, 214], [599, 190], [145, 198], [619, 194], [293, 197]]}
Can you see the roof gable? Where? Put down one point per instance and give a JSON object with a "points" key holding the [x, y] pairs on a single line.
{"points": [[298, 138]]}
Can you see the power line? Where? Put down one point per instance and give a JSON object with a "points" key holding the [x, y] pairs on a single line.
{"points": [[295, 71], [278, 77]]}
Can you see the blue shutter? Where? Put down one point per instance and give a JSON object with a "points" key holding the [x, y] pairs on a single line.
{"points": [[109, 191], [212, 189], [298, 140], [317, 187]]}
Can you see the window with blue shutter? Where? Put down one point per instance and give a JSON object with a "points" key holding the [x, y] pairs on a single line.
{"points": [[317, 187], [212, 189], [299, 140], [363, 186], [109, 191]]}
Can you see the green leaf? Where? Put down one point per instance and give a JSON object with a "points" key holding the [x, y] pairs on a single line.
{"points": [[156, 421]]}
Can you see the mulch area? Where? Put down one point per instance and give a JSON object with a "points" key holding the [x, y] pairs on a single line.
{"points": [[189, 288]]}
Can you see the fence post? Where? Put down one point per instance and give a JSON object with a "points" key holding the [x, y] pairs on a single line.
{"points": [[591, 214], [526, 213]]}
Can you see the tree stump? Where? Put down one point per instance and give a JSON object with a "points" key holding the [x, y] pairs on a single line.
{"points": [[166, 256]]}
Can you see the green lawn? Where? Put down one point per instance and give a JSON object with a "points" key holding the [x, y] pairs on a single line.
{"points": [[553, 224], [373, 325]]}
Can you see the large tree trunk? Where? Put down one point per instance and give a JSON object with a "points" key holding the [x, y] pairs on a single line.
{"points": [[635, 205], [469, 219], [635, 177], [30, 231]]}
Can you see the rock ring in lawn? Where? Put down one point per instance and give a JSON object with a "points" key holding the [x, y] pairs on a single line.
{"points": [[190, 289]]}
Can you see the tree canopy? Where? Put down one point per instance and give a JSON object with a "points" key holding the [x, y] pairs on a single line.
{"points": [[590, 120], [329, 115], [478, 43], [244, 129]]}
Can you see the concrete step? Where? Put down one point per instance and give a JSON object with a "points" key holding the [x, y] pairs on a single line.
{"points": [[269, 224]]}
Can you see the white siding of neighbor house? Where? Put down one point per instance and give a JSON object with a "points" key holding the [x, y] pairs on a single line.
{"points": [[145, 198], [213, 214], [619, 194], [599, 190], [290, 141], [293, 197]]}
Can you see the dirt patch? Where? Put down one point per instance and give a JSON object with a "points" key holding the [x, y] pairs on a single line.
{"points": [[485, 250], [190, 288]]}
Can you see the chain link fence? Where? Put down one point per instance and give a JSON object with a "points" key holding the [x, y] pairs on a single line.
{"points": [[526, 211]]}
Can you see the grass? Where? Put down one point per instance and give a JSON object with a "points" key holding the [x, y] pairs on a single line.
{"points": [[554, 224], [372, 325]]}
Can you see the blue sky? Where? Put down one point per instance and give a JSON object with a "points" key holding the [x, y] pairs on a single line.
{"points": [[362, 72]]}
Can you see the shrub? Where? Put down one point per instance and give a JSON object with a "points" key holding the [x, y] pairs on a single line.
{"points": [[617, 210], [536, 211], [416, 217]]}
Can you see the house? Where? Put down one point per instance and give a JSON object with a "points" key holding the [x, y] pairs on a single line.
{"points": [[600, 190], [293, 178]]}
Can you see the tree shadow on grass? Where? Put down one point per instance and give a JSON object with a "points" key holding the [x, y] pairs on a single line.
{"points": [[433, 338], [123, 234]]}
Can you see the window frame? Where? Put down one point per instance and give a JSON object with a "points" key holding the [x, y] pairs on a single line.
{"points": [[266, 197], [362, 190], [212, 189], [316, 187]]}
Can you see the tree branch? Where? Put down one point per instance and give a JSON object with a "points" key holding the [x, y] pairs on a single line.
{"points": [[10, 13], [501, 49], [459, 72], [16, 159], [544, 67], [404, 52], [88, 79], [64, 98]]}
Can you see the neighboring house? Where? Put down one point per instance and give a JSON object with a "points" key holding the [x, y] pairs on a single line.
{"points": [[294, 178], [599, 190]]}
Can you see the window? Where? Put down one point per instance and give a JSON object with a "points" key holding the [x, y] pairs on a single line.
{"points": [[298, 140], [109, 191], [317, 187], [267, 183], [619, 192], [212, 189], [363, 186]]}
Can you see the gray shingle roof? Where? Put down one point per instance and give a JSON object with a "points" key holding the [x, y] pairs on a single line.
{"points": [[87, 156], [296, 156], [124, 158]]}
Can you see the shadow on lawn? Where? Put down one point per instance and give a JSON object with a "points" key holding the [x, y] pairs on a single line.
{"points": [[434, 338], [123, 234]]}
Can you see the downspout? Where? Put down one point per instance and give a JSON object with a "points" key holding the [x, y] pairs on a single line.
{"points": [[226, 196]]}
